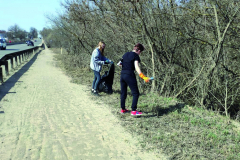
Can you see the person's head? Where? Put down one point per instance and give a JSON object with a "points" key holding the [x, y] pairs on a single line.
{"points": [[138, 48], [101, 46]]}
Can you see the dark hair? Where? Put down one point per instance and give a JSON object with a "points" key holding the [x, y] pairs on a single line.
{"points": [[139, 46]]}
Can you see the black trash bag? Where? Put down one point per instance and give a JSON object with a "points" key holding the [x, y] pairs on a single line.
{"points": [[106, 82]]}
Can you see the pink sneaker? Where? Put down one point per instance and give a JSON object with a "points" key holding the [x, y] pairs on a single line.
{"points": [[124, 111], [136, 113]]}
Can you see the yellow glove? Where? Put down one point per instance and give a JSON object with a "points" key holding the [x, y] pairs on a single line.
{"points": [[146, 79]]}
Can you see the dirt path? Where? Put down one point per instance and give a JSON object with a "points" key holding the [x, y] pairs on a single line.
{"points": [[47, 117]]}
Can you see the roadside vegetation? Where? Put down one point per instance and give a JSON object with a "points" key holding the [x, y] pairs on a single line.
{"points": [[168, 126], [192, 50]]}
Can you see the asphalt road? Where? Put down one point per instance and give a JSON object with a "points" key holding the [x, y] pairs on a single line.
{"points": [[18, 47]]}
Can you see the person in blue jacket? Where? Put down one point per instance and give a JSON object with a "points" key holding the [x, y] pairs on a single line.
{"points": [[97, 60]]}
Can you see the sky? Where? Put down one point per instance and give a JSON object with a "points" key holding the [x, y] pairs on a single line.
{"points": [[27, 13]]}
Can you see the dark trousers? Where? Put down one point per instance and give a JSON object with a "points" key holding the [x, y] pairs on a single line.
{"points": [[96, 80], [129, 80]]}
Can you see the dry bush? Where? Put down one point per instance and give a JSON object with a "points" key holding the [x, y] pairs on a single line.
{"points": [[191, 46]]}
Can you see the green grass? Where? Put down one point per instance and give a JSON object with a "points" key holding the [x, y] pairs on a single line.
{"points": [[168, 125]]}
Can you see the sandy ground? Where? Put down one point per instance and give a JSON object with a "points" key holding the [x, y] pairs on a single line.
{"points": [[45, 116]]}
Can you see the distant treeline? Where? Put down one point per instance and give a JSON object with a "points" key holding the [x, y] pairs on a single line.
{"points": [[16, 34]]}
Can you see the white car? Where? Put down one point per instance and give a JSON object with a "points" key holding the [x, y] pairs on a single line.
{"points": [[3, 44]]}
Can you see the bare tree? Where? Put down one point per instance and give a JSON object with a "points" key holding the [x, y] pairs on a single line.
{"points": [[191, 46], [33, 33], [15, 32]]}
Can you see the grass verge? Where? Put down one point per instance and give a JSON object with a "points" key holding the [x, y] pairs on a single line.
{"points": [[168, 126]]}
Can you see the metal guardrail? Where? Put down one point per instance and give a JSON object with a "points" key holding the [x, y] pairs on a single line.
{"points": [[16, 59]]}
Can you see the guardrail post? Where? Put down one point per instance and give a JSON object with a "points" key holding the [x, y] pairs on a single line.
{"points": [[16, 61], [6, 68], [22, 57], [11, 63], [19, 56], [1, 75]]}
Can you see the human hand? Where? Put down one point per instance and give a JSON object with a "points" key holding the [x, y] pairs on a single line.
{"points": [[149, 79], [119, 63], [107, 61], [146, 79]]}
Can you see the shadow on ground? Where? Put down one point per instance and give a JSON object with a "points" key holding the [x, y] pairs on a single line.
{"points": [[160, 111], [172, 108], [10, 82]]}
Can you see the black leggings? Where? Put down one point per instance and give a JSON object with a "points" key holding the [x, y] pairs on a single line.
{"points": [[129, 80]]}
